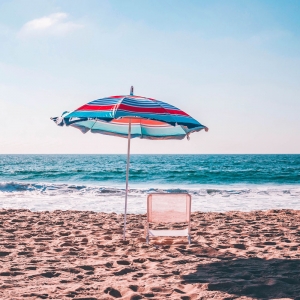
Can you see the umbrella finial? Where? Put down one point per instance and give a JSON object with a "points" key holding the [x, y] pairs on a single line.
{"points": [[131, 91]]}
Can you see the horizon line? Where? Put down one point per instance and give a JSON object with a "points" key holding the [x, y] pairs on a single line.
{"points": [[150, 154]]}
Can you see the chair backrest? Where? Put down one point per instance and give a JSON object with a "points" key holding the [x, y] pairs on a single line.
{"points": [[168, 207]]}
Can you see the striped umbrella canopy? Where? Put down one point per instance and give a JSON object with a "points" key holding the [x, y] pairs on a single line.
{"points": [[131, 116]]}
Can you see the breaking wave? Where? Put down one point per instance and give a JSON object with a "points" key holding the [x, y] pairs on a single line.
{"points": [[52, 189], [51, 196]]}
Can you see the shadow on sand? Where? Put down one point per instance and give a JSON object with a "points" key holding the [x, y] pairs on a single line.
{"points": [[252, 277]]}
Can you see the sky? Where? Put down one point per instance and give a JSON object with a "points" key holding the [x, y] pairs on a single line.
{"points": [[232, 65]]}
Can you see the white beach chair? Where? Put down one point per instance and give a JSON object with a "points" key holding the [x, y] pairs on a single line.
{"points": [[168, 208]]}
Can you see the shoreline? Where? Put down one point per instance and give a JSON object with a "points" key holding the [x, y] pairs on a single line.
{"points": [[81, 255]]}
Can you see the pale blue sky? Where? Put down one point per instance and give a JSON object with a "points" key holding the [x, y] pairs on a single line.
{"points": [[233, 65]]}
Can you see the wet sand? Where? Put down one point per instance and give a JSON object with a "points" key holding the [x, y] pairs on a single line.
{"points": [[81, 255]]}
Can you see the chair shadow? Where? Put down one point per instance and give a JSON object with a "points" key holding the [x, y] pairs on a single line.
{"points": [[251, 277]]}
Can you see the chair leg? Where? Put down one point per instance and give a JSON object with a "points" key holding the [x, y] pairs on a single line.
{"points": [[147, 239], [189, 239]]}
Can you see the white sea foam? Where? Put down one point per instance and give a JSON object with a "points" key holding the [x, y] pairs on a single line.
{"points": [[45, 196]]}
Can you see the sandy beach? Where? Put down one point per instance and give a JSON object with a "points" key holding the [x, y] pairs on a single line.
{"points": [[81, 255]]}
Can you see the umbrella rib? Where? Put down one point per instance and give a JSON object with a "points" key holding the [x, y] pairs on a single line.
{"points": [[141, 128], [93, 124], [165, 111], [116, 107]]}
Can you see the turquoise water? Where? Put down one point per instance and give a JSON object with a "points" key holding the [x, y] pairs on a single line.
{"points": [[97, 182]]}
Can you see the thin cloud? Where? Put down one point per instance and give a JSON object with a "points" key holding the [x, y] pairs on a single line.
{"points": [[54, 24]]}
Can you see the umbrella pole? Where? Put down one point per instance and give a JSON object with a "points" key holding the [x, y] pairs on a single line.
{"points": [[127, 176]]}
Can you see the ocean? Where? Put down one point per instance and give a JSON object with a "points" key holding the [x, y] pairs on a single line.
{"points": [[97, 182]]}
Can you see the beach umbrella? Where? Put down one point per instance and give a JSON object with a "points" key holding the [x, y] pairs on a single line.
{"points": [[131, 116]]}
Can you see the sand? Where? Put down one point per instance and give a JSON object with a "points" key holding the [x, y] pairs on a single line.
{"points": [[81, 255]]}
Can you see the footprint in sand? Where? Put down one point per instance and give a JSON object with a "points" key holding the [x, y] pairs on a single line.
{"points": [[87, 268], [123, 262], [136, 297], [109, 265], [4, 253], [148, 295], [66, 244], [113, 292], [238, 246], [50, 274], [124, 271], [140, 260], [137, 275], [179, 291], [134, 287]]}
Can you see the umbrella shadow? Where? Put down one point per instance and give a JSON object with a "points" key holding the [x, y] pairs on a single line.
{"points": [[252, 277]]}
